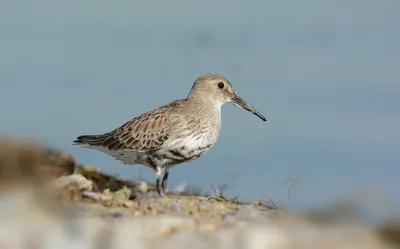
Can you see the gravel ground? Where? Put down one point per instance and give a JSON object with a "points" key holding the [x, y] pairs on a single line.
{"points": [[50, 201]]}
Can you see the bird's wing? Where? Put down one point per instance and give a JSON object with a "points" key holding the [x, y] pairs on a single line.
{"points": [[143, 133]]}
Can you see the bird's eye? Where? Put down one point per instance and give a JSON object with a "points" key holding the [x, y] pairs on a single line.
{"points": [[221, 85]]}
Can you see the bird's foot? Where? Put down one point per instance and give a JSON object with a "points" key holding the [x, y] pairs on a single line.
{"points": [[160, 190]]}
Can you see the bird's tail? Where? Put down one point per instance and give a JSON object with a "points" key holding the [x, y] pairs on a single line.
{"points": [[90, 140]]}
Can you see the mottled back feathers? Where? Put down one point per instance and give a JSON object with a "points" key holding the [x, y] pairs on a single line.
{"points": [[143, 133]]}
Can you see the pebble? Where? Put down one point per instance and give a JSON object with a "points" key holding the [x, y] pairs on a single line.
{"points": [[74, 180]]}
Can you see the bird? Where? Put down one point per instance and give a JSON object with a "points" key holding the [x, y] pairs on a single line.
{"points": [[175, 133]]}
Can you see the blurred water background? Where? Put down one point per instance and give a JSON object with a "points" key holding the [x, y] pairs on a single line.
{"points": [[324, 73]]}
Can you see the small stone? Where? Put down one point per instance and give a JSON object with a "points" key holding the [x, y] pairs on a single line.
{"points": [[129, 204], [106, 198], [175, 207], [92, 195], [75, 180], [142, 187], [122, 194], [106, 192]]}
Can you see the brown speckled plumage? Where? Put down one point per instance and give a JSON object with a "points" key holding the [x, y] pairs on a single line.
{"points": [[143, 133], [174, 133]]}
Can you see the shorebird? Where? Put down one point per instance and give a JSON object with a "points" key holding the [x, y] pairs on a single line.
{"points": [[172, 134]]}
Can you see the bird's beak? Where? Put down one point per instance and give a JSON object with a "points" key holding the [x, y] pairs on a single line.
{"points": [[236, 100]]}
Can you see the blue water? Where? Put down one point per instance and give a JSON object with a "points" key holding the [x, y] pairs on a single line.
{"points": [[324, 73]]}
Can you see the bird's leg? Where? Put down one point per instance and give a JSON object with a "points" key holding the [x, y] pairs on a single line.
{"points": [[165, 179], [160, 191]]}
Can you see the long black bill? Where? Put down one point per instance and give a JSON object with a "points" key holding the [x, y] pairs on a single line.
{"points": [[240, 102]]}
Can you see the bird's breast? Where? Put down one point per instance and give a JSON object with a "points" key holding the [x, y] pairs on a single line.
{"points": [[188, 146]]}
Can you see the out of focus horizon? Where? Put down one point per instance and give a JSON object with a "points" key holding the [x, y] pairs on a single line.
{"points": [[325, 74]]}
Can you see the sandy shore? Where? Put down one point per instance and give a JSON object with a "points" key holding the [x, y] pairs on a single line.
{"points": [[50, 201]]}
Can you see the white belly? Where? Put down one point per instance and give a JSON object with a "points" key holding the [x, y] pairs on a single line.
{"points": [[186, 148]]}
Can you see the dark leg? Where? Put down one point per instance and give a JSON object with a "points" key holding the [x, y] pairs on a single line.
{"points": [[165, 179], [160, 191]]}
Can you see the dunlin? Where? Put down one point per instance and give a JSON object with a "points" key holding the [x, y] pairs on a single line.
{"points": [[175, 133]]}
